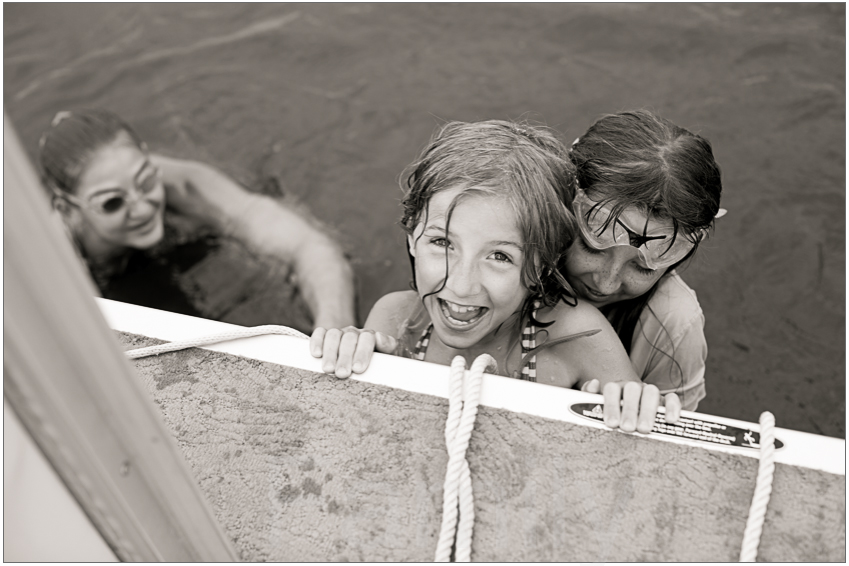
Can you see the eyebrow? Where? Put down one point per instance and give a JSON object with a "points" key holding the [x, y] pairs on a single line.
{"points": [[144, 166], [102, 191], [509, 243], [495, 243], [435, 227]]}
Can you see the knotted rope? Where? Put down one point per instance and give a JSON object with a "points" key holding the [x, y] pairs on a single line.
{"points": [[763, 489], [213, 339], [462, 410]]}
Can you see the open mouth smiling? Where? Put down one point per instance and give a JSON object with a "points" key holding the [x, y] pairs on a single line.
{"points": [[461, 315], [145, 227]]}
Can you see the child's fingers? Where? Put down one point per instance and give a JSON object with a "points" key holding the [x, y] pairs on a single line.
{"points": [[330, 350], [385, 343], [673, 408], [365, 348], [347, 347], [591, 386], [612, 393], [631, 403], [649, 401], [316, 341]]}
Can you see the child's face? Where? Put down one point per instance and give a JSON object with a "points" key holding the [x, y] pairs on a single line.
{"points": [[484, 264], [604, 277]]}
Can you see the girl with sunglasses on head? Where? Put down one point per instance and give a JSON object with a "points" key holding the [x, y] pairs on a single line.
{"points": [[648, 193], [120, 205], [486, 228]]}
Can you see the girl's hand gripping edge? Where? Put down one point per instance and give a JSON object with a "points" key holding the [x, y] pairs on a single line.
{"points": [[346, 350], [632, 405]]}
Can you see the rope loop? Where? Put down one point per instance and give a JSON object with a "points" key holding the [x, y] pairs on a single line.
{"points": [[458, 511], [213, 339], [763, 489]]}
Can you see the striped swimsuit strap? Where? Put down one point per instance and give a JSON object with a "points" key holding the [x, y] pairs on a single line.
{"points": [[420, 349], [529, 342]]}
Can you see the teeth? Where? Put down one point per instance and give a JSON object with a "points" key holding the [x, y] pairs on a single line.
{"points": [[460, 308], [457, 309], [448, 308]]}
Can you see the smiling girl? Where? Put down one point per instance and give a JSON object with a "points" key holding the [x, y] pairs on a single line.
{"points": [[486, 228]]}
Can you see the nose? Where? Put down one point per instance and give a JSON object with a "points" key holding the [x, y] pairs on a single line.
{"points": [[464, 278], [139, 207], [607, 277]]}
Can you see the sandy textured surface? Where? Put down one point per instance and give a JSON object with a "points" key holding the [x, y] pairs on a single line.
{"points": [[302, 466]]}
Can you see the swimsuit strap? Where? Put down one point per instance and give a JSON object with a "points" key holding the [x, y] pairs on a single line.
{"points": [[420, 349], [529, 342]]}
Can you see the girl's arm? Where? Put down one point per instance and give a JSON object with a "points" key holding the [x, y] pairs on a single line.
{"points": [[349, 350], [599, 362], [676, 366], [324, 277]]}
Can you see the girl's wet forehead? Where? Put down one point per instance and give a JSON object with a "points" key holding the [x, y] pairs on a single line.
{"points": [[448, 202], [112, 166], [483, 217]]}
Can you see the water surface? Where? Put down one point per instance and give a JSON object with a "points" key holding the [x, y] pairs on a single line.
{"points": [[335, 99]]}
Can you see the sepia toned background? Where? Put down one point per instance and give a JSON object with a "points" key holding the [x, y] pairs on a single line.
{"points": [[333, 100]]}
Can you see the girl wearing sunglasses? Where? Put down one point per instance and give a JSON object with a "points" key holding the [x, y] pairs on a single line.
{"points": [[112, 195], [648, 193]]}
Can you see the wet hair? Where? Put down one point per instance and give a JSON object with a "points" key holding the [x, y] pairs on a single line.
{"points": [[638, 159], [524, 164], [68, 145]]}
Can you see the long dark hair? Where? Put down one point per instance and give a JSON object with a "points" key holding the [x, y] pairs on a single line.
{"points": [[638, 159], [525, 164]]}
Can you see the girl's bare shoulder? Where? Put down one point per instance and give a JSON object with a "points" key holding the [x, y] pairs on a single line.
{"points": [[391, 310], [574, 362], [567, 319]]}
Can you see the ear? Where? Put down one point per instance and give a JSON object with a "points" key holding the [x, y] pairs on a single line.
{"points": [[411, 244], [71, 216], [60, 205]]}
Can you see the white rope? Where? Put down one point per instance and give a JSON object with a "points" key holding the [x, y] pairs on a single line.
{"points": [[457, 490], [213, 339], [763, 489]]}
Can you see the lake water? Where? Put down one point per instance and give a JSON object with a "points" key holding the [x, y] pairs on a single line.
{"points": [[335, 99]]}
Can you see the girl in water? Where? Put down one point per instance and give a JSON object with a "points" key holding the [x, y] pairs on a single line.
{"points": [[120, 205], [648, 193], [486, 228]]}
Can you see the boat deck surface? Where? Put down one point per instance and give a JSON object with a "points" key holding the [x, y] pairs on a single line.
{"points": [[300, 466]]}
